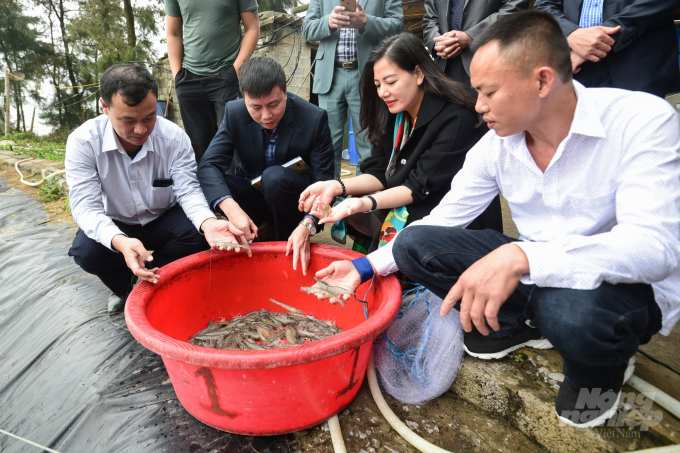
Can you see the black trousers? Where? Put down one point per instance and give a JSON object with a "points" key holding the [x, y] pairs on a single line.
{"points": [[278, 204], [456, 71], [201, 102], [171, 236], [595, 331]]}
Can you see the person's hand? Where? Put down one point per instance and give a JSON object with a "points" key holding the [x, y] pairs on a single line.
{"points": [[238, 218], [345, 209], [357, 19], [298, 243], [319, 193], [485, 286], [223, 231], [576, 62], [338, 18], [135, 253], [174, 74], [592, 43], [340, 273], [451, 44]]}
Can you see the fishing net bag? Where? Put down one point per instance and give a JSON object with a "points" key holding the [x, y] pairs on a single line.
{"points": [[419, 355]]}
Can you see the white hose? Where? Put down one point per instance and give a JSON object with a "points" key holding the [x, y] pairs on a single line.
{"points": [[666, 449], [28, 441], [660, 397], [403, 430], [34, 184], [336, 435]]}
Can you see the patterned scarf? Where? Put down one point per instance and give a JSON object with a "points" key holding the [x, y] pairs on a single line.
{"points": [[402, 131]]}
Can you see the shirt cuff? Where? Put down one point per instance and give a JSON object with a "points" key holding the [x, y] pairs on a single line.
{"points": [[107, 235], [219, 200], [548, 265], [383, 260]]}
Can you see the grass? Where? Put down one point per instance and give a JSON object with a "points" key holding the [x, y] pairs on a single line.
{"points": [[49, 147]]}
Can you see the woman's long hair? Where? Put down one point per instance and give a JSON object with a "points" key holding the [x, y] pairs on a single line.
{"points": [[407, 52]]}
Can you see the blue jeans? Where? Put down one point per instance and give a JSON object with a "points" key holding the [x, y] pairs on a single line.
{"points": [[595, 331]]}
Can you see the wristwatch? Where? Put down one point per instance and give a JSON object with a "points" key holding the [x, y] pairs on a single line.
{"points": [[309, 225]]}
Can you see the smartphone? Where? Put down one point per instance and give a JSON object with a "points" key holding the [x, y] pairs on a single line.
{"points": [[162, 182], [350, 5]]}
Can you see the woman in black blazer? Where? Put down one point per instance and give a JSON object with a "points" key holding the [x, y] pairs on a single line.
{"points": [[406, 97]]}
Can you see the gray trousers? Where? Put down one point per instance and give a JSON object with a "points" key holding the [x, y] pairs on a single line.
{"points": [[344, 93]]}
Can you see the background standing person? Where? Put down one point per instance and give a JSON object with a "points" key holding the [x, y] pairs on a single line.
{"points": [[206, 51], [629, 44], [345, 41], [450, 26]]}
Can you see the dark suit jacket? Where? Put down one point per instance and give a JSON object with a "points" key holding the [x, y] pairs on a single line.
{"points": [[303, 131], [645, 55], [444, 133], [477, 16]]}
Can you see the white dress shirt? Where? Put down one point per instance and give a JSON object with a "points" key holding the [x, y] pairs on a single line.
{"points": [[106, 184], [607, 208]]}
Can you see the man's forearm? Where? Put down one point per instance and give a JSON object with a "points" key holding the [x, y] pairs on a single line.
{"points": [[175, 53]]}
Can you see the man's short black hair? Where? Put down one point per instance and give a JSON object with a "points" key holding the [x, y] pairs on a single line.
{"points": [[529, 38], [130, 81], [259, 75]]}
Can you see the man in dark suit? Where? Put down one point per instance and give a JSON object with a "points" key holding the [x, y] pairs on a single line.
{"points": [[450, 26], [269, 127], [629, 44]]}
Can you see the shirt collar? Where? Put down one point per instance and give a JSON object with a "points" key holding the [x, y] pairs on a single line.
{"points": [[110, 141], [586, 116]]}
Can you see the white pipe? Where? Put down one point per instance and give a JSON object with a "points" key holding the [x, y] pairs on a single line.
{"points": [[336, 435], [403, 430], [666, 449], [28, 441], [34, 184], [660, 397]]}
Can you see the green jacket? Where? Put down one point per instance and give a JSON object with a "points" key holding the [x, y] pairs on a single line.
{"points": [[384, 18]]}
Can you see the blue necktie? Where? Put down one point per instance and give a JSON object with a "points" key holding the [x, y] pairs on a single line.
{"points": [[456, 14]]}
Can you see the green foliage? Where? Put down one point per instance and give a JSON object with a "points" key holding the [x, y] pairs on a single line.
{"points": [[66, 207], [49, 147], [518, 357], [280, 6], [51, 190]]}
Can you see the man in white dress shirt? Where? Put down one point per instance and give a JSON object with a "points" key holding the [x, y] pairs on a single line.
{"points": [[133, 186], [592, 176]]}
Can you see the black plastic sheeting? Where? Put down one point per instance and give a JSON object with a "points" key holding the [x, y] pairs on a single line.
{"points": [[72, 378]]}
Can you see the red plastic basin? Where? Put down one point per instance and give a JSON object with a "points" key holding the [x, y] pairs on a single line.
{"points": [[258, 392]]}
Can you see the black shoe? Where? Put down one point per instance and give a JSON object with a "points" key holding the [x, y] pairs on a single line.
{"points": [[591, 407], [483, 347]]}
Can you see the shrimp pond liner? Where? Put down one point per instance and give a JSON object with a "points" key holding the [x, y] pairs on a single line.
{"points": [[72, 378]]}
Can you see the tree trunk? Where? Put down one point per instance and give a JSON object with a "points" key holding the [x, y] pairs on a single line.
{"points": [[130, 23], [58, 8]]}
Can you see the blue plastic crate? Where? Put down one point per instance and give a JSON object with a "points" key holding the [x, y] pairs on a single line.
{"points": [[353, 155]]}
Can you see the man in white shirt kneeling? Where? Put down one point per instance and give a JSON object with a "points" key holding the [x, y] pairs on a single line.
{"points": [[592, 176], [132, 177]]}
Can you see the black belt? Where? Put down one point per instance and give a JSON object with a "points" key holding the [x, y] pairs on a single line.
{"points": [[347, 64]]}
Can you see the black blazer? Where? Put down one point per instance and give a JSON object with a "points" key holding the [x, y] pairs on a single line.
{"points": [[444, 133], [303, 131], [645, 55]]}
